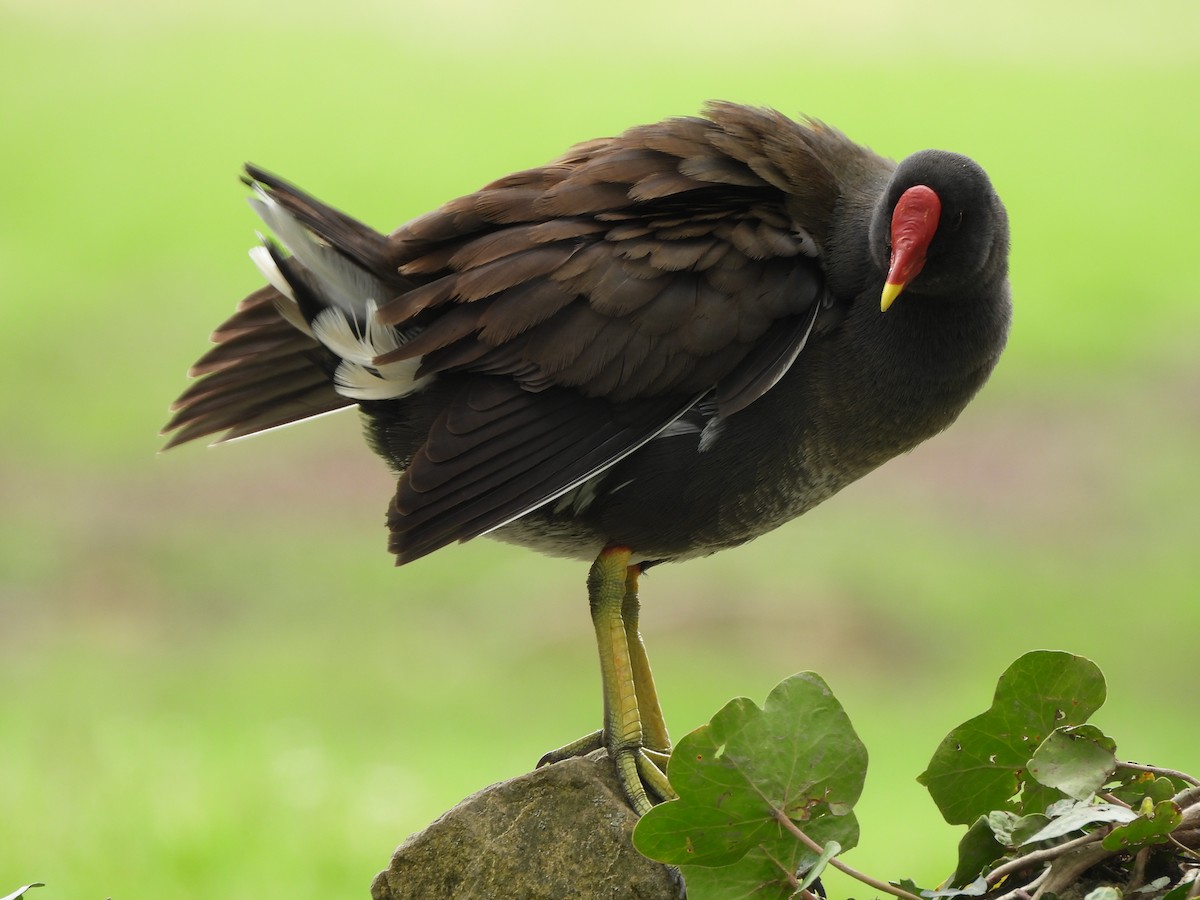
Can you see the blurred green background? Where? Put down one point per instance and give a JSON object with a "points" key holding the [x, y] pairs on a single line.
{"points": [[213, 682]]}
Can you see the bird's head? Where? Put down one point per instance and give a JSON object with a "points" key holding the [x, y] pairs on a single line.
{"points": [[939, 224]]}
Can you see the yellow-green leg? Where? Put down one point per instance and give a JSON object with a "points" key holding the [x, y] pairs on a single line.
{"points": [[656, 742], [622, 719], [634, 732]]}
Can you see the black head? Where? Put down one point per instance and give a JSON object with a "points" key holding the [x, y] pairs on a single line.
{"points": [[939, 227]]}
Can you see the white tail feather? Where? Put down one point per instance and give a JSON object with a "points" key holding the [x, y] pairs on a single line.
{"points": [[358, 345], [348, 326], [261, 257], [342, 283]]}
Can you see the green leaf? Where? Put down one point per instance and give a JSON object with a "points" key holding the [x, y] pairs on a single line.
{"points": [[766, 871], [1069, 817], [1134, 786], [1153, 887], [832, 849], [1075, 759], [1026, 827], [907, 884], [1179, 892], [798, 754], [21, 891], [978, 766], [1012, 830], [976, 888], [1150, 828], [1161, 789], [978, 849], [1036, 798]]}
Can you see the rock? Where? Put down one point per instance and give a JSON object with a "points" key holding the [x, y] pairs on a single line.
{"points": [[561, 831]]}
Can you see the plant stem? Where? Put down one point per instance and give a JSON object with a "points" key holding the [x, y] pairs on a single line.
{"points": [[793, 881], [1138, 876], [1037, 856], [791, 826], [1186, 798], [1023, 890]]}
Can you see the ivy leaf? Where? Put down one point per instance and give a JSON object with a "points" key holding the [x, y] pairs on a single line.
{"points": [[978, 849], [1149, 828], [766, 871], [1075, 759], [1180, 892], [976, 888], [977, 767], [907, 884], [1036, 798], [1161, 789], [1133, 786], [832, 849], [798, 755], [1069, 817], [1012, 830], [1153, 887]]}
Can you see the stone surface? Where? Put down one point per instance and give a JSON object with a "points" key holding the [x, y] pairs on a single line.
{"points": [[562, 831]]}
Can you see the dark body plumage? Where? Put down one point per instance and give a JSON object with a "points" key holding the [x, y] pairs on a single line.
{"points": [[670, 340]]}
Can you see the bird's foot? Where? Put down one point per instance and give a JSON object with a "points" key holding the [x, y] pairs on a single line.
{"points": [[589, 743], [640, 770], [652, 770]]}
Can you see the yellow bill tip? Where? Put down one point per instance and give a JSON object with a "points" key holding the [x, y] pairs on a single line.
{"points": [[891, 291]]}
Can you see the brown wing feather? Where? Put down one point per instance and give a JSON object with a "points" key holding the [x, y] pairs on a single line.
{"points": [[703, 253], [498, 451]]}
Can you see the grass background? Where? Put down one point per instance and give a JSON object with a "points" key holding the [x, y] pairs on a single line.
{"points": [[212, 682]]}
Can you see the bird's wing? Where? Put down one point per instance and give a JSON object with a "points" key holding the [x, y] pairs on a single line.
{"points": [[498, 451], [653, 263], [608, 292]]}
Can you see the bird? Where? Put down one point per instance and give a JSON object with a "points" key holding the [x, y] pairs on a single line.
{"points": [[657, 346]]}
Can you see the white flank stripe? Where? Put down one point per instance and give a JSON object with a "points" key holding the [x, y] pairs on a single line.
{"points": [[711, 432]]}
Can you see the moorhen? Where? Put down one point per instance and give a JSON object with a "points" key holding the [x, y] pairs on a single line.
{"points": [[657, 346]]}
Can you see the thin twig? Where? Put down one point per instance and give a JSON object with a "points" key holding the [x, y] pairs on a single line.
{"points": [[1065, 870], [1187, 798], [1023, 890], [791, 826], [1037, 856], [792, 880], [1159, 770], [1138, 876], [1187, 840], [1109, 798]]}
